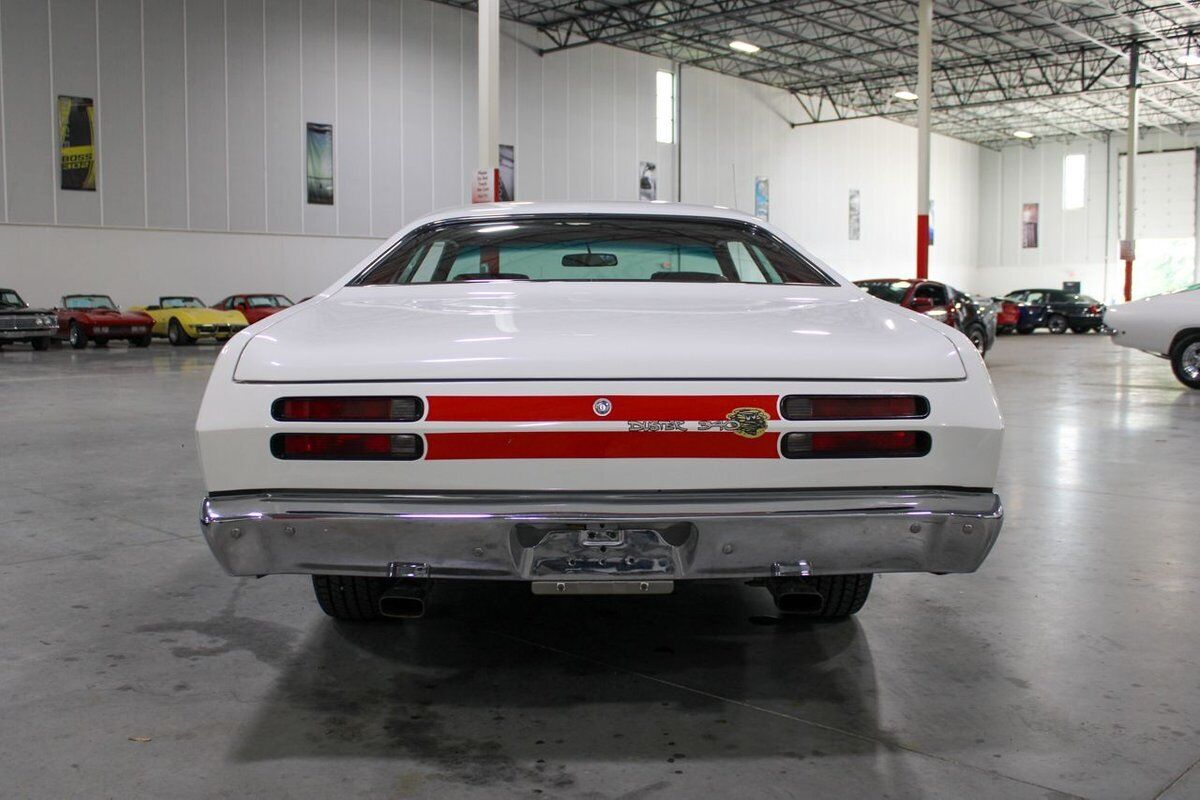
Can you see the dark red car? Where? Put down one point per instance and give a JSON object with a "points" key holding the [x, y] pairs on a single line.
{"points": [[95, 317], [254, 306], [943, 303]]}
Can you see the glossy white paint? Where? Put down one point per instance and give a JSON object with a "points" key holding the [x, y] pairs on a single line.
{"points": [[1153, 323], [522, 338]]}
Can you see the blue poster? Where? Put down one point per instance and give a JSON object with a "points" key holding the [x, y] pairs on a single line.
{"points": [[762, 198]]}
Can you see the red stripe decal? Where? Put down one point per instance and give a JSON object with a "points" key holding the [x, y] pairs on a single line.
{"points": [[598, 444], [578, 408]]}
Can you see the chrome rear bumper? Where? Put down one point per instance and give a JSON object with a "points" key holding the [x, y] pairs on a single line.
{"points": [[597, 535]]}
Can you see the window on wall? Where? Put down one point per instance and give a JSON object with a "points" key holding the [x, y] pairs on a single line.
{"points": [[664, 108], [1074, 177]]}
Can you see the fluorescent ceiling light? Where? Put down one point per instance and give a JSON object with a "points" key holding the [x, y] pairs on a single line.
{"points": [[1023, 134], [1189, 59], [905, 94], [743, 47]]}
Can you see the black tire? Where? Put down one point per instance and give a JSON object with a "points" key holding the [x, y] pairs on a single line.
{"points": [[350, 598], [101, 342], [41, 344], [1024, 331], [76, 336], [141, 341], [177, 336], [1185, 360], [1080, 329], [978, 337], [1057, 324]]}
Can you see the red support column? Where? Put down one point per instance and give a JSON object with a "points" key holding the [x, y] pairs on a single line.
{"points": [[922, 246], [1128, 280]]}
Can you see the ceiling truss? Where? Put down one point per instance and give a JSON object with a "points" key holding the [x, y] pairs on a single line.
{"points": [[1052, 67]]}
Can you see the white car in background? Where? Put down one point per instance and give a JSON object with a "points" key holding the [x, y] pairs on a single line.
{"points": [[1166, 325], [597, 398]]}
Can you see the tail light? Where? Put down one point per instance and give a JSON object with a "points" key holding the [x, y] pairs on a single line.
{"points": [[1008, 306], [831, 406], [857, 444], [1093, 309], [347, 409], [347, 446]]}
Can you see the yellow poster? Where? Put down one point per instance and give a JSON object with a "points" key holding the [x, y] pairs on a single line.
{"points": [[77, 152]]}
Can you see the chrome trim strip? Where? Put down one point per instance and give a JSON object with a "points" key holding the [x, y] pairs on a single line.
{"points": [[542, 535]]}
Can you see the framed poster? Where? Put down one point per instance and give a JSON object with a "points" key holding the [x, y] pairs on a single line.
{"points": [[647, 180], [762, 198], [77, 153], [508, 172], [1029, 225], [854, 229], [320, 164]]}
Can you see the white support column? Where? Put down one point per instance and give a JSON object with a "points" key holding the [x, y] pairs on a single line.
{"points": [[1131, 144], [489, 84], [924, 104]]}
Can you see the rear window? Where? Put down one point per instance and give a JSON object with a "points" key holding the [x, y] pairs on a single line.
{"points": [[592, 248]]}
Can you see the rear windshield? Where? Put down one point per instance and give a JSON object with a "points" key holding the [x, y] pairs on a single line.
{"points": [[591, 248], [892, 291]]}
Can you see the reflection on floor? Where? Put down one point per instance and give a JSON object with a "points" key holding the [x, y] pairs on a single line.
{"points": [[1069, 664]]}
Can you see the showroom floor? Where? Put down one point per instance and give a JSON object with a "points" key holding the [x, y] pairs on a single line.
{"points": [[132, 667]]}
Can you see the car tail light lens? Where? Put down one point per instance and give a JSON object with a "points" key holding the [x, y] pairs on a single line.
{"points": [[820, 407], [1093, 309], [348, 409], [857, 444], [1008, 306], [347, 446]]}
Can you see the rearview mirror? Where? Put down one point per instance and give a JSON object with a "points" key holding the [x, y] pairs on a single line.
{"points": [[589, 260]]}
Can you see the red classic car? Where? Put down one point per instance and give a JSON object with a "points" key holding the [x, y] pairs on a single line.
{"points": [[254, 306], [95, 317]]}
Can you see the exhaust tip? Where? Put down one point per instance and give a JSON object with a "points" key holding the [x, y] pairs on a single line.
{"points": [[402, 607], [798, 602]]}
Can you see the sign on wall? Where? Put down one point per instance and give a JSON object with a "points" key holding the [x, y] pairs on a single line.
{"points": [[1029, 225], [855, 227], [647, 180], [77, 153], [762, 198], [320, 164]]}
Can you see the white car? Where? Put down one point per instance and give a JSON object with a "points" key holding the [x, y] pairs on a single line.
{"points": [[597, 398], [1166, 325]]}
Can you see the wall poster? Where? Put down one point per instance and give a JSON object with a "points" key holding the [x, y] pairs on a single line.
{"points": [[762, 198], [77, 153], [508, 172], [320, 164], [647, 180], [855, 227], [1029, 225]]}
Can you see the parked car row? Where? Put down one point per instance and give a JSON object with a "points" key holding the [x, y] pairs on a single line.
{"points": [[83, 318], [1026, 310]]}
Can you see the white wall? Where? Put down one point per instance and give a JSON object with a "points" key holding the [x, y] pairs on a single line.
{"points": [[1074, 245], [201, 109], [734, 130]]}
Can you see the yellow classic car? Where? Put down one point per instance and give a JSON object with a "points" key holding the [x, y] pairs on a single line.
{"points": [[183, 320]]}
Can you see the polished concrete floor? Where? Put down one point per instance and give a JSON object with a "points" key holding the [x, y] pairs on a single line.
{"points": [[130, 666]]}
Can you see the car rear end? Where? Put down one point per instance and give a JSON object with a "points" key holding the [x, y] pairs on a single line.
{"points": [[524, 431]]}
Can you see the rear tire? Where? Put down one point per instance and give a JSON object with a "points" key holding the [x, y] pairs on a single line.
{"points": [[76, 336], [1079, 329], [141, 341], [1024, 331], [978, 337], [41, 344], [350, 598], [1185, 360], [1057, 324]]}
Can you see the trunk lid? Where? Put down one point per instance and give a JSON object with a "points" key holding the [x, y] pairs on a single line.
{"points": [[634, 330]]}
